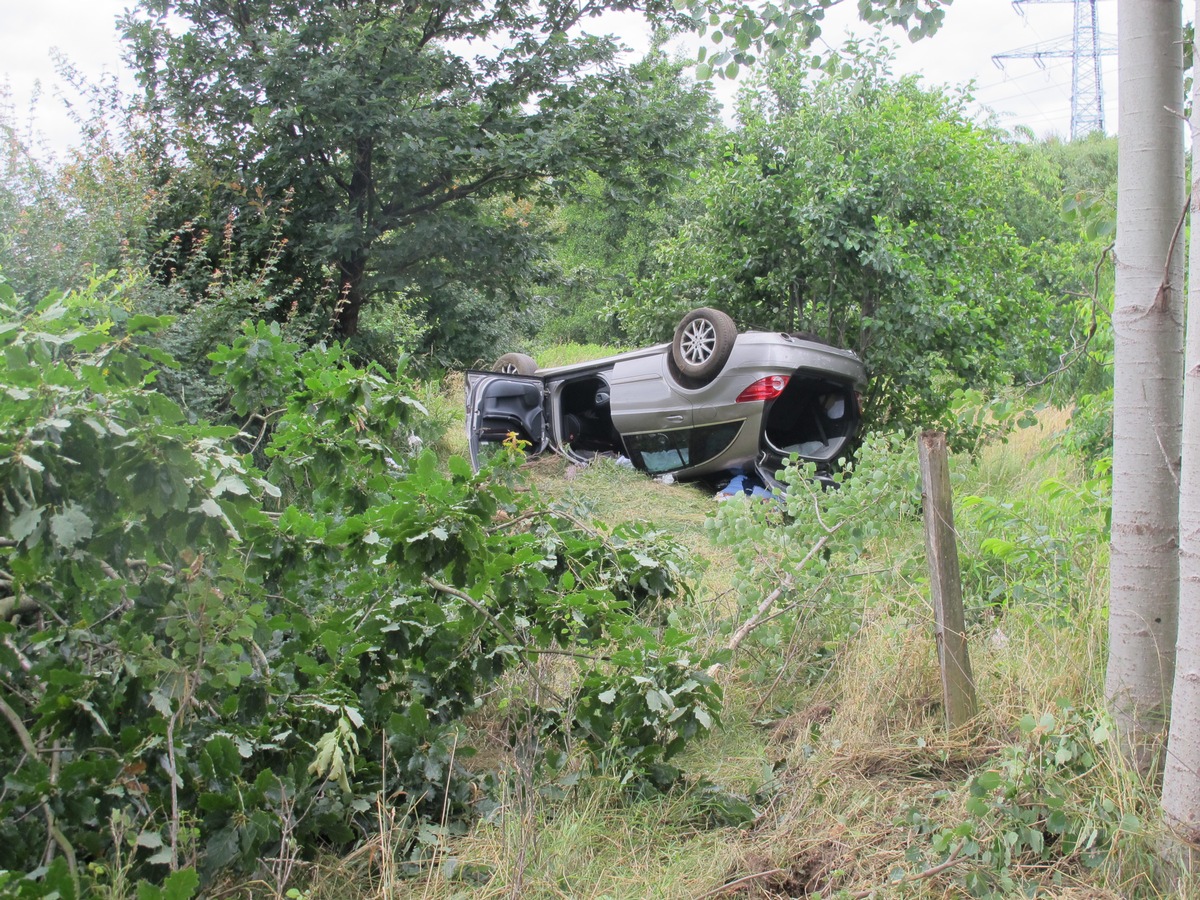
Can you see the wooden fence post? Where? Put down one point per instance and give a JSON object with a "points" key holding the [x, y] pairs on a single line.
{"points": [[945, 579]]}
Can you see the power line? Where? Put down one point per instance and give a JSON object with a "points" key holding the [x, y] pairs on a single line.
{"points": [[1046, 76], [1085, 51]]}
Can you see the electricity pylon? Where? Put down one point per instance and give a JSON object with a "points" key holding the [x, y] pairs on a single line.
{"points": [[1084, 51]]}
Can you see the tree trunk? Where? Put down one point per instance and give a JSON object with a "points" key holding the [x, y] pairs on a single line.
{"points": [[360, 196], [1147, 326], [350, 297], [1181, 780]]}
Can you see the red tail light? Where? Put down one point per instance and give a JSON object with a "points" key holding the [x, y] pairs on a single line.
{"points": [[764, 389]]}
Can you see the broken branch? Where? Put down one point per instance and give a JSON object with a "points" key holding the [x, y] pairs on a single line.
{"points": [[764, 607]]}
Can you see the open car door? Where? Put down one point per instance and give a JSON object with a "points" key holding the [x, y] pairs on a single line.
{"points": [[500, 405], [816, 418]]}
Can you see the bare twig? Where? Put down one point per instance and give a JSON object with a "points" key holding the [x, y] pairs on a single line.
{"points": [[753, 622], [750, 623], [52, 828], [262, 433], [22, 659], [791, 607], [515, 520], [282, 865], [1164, 287], [144, 564], [787, 660], [590, 657], [949, 863], [1068, 359], [172, 765], [745, 879]]}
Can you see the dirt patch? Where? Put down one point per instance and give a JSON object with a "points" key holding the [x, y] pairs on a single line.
{"points": [[806, 875], [951, 762]]}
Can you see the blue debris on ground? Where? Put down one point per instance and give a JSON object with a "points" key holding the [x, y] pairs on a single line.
{"points": [[745, 485]]}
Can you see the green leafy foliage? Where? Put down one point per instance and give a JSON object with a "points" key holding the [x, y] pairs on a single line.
{"points": [[234, 665], [743, 33], [607, 227], [830, 553], [410, 149], [812, 545], [1090, 432], [67, 220], [1038, 807], [1035, 551], [638, 716], [1076, 245], [829, 212]]}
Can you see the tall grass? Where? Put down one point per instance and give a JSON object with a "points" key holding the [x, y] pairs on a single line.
{"points": [[570, 353]]}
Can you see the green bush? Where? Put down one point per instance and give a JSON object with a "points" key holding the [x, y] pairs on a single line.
{"points": [[810, 546], [206, 666], [1048, 803]]}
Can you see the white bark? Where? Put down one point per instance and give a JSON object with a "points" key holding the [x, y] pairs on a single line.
{"points": [[1181, 779], [1148, 333]]}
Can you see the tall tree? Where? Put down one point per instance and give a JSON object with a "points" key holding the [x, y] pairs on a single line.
{"points": [[608, 227], [829, 211], [1147, 325], [396, 126], [64, 220], [1181, 780]]}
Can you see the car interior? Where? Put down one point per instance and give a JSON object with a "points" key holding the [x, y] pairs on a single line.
{"points": [[586, 418], [813, 417], [511, 406]]}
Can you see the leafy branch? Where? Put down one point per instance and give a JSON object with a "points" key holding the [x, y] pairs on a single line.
{"points": [[768, 601], [499, 626]]}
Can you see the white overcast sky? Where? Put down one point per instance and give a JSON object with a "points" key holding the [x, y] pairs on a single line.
{"points": [[1020, 93]]}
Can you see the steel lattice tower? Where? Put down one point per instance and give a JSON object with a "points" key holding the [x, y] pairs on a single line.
{"points": [[1085, 50]]}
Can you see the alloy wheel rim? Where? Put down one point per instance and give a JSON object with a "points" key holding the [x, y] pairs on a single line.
{"points": [[698, 342]]}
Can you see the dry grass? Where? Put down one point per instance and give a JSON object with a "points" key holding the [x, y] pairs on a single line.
{"points": [[869, 744], [603, 845], [874, 747], [1025, 458]]}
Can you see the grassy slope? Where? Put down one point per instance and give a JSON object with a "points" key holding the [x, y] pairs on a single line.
{"points": [[849, 742]]}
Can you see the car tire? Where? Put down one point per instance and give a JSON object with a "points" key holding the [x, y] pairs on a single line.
{"points": [[702, 343], [515, 364]]}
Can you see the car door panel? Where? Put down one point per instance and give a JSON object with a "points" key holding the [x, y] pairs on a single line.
{"points": [[500, 405], [644, 399]]}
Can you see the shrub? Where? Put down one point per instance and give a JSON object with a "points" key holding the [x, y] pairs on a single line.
{"points": [[208, 666]]}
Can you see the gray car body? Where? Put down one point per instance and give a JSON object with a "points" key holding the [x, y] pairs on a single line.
{"points": [[667, 423]]}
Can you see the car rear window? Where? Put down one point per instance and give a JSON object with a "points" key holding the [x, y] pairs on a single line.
{"points": [[667, 451]]}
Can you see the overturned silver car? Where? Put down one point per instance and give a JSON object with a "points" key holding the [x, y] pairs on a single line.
{"points": [[709, 402]]}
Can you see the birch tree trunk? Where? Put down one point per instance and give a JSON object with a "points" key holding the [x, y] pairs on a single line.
{"points": [[1181, 779], [1148, 333]]}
